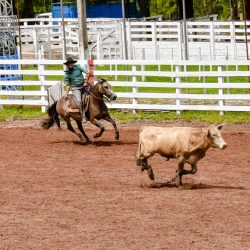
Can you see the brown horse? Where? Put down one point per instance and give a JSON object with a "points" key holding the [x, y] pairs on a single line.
{"points": [[95, 111]]}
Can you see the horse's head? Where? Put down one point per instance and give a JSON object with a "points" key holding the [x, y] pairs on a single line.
{"points": [[105, 89]]}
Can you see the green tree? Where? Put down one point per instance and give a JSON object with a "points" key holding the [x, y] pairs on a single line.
{"points": [[170, 9], [167, 8]]}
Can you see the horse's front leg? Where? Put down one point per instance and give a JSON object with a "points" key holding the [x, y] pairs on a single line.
{"points": [[109, 119], [99, 125]]}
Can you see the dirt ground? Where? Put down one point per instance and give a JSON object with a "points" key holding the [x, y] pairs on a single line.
{"points": [[56, 193]]}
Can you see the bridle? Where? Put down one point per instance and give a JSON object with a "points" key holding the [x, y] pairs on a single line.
{"points": [[102, 99]]}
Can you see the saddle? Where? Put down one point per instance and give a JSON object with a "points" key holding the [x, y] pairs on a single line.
{"points": [[71, 106]]}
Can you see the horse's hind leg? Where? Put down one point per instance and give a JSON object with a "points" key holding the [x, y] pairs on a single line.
{"points": [[99, 125], [109, 119], [79, 124], [70, 128]]}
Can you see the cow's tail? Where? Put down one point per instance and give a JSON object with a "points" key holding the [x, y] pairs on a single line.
{"points": [[141, 159], [139, 155], [52, 119]]}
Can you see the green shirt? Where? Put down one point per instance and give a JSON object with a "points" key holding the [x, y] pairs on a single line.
{"points": [[74, 78]]}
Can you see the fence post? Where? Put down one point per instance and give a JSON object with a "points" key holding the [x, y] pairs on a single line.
{"points": [[41, 68], [212, 40], [233, 40], [129, 41], [154, 40], [35, 42], [220, 81], [98, 47], [180, 39], [49, 43], [135, 89], [121, 41], [143, 66], [178, 90], [116, 67]]}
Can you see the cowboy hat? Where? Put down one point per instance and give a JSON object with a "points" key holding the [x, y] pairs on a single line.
{"points": [[70, 60]]}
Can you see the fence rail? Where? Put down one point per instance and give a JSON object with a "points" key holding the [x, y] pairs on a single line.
{"points": [[139, 84], [208, 40]]}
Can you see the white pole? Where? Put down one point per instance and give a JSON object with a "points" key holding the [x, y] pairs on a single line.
{"points": [[63, 32], [185, 30], [83, 33], [124, 30]]}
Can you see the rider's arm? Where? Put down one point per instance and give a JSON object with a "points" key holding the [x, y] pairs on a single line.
{"points": [[86, 71], [67, 83], [87, 79], [67, 91]]}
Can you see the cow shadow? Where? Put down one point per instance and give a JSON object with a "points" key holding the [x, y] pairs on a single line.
{"points": [[191, 186], [207, 186]]}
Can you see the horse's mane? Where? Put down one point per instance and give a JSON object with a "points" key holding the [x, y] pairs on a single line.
{"points": [[102, 80]]}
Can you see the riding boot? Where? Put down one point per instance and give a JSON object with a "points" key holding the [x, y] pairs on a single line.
{"points": [[82, 112], [70, 110]]}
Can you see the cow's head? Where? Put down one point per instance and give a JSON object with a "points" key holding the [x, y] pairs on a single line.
{"points": [[214, 135]]}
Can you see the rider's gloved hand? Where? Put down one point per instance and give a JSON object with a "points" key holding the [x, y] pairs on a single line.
{"points": [[89, 88]]}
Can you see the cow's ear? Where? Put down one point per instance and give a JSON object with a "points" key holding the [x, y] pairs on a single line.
{"points": [[220, 126]]}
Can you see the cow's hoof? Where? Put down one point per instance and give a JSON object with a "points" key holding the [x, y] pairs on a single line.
{"points": [[151, 174], [143, 167]]}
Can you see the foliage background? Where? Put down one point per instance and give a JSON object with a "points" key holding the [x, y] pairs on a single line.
{"points": [[167, 8]]}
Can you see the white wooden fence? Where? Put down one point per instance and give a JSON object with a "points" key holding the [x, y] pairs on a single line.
{"points": [[207, 40], [142, 85]]}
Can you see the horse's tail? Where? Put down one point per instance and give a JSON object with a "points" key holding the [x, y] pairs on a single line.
{"points": [[53, 118]]}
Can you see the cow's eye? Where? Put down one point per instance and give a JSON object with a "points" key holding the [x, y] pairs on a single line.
{"points": [[213, 135]]}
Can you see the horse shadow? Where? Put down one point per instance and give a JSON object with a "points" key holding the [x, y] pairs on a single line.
{"points": [[111, 143], [96, 143], [190, 186]]}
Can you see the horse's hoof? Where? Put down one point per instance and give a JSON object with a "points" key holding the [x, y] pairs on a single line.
{"points": [[178, 182], [117, 137], [89, 142]]}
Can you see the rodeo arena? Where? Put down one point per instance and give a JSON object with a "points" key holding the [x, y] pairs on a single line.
{"points": [[77, 177]]}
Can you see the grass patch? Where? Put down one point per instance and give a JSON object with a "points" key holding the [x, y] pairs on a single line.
{"points": [[17, 113], [24, 113], [187, 116]]}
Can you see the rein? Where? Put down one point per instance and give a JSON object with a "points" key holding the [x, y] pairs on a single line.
{"points": [[102, 99]]}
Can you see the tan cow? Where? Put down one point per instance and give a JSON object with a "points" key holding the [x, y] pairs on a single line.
{"points": [[187, 145]]}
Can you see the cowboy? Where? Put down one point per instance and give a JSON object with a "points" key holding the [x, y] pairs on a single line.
{"points": [[74, 79]]}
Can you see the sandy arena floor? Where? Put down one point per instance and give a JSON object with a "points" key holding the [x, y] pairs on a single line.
{"points": [[57, 193]]}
